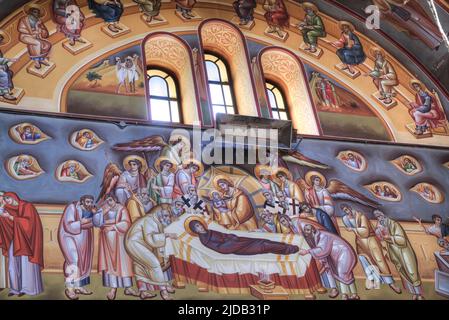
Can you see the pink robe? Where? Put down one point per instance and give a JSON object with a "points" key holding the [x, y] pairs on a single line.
{"points": [[77, 246], [112, 256], [336, 255]]}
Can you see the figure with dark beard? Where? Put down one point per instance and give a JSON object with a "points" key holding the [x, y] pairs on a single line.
{"points": [[231, 244]]}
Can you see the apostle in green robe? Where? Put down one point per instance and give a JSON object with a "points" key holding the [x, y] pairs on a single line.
{"points": [[312, 27]]}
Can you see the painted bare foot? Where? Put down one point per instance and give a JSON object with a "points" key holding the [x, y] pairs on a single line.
{"points": [[117, 26], [165, 295], [344, 297], [8, 96], [147, 295], [334, 293], [72, 42], [45, 62], [157, 18], [80, 40], [71, 294], [170, 290], [131, 292], [113, 28], [37, 65], [354, 297], [83, 291], [395, 288], [112, 294]]}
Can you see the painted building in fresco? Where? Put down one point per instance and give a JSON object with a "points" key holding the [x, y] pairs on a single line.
{"points": [[107, 118]]}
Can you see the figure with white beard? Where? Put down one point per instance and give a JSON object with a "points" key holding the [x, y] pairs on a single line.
{"points": [[145, 243]]}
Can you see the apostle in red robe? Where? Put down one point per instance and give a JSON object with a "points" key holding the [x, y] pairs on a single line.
{"points": [[21, 238], [276, 16]]}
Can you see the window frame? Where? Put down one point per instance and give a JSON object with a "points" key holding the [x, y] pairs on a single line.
{"points": [[276, 110], [221, 83], [178, 98]]}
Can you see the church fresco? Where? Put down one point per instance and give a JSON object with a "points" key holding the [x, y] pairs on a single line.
{"points": [[106, 193]]}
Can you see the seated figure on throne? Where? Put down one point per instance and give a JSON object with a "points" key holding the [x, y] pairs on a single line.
{"points": [[240, 214], [426, 110], [232, 244]]}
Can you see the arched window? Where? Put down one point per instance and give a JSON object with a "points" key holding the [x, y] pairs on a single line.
{"points": [[277, 102], [220, 85], [163, 95]]}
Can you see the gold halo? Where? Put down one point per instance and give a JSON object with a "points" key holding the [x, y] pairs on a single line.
{"points": [[310, 174], [194, 218], [30, 6], [222, 177], [260, 168], [284, 170], [200, 166], [134, 157], [25, 157], [157, 164], [415, 81], [346, 23], [183, 138], [374, 50], [68, 163], [310, 5]]}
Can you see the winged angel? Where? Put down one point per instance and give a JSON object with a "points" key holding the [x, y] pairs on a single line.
{"points": [[321, 194], [130, 185]]}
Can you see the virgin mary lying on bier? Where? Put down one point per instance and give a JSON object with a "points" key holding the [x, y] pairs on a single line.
{"points": [[231, 244]]}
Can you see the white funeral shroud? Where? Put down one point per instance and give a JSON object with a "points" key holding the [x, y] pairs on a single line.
{"points": [[190, 249]]}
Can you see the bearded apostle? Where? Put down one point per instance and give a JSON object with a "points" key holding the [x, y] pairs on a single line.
{"points": [[276, 16], [21, 240], [306, 211], [150, 9], [113, 262], [384, 76], [349, 48], [185, 7], [108, 10], [33, 33], [400, 252], [291, 189], [337, 257], [368, 249], [240, 211], [312, 27], [76, 240], [245, 10], [69, 19], [145, 244], [425, 110]]}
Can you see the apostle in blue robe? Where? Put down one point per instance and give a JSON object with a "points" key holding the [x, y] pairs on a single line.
{"points": [[108, 10], [349, 48]]}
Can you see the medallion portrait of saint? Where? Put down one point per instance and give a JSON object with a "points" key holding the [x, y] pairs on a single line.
{"points": [[23, 167], [428, 192], [385, 191], [72, 171], [27, 133], [353, 160], [408, 165], [85, 140]]}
